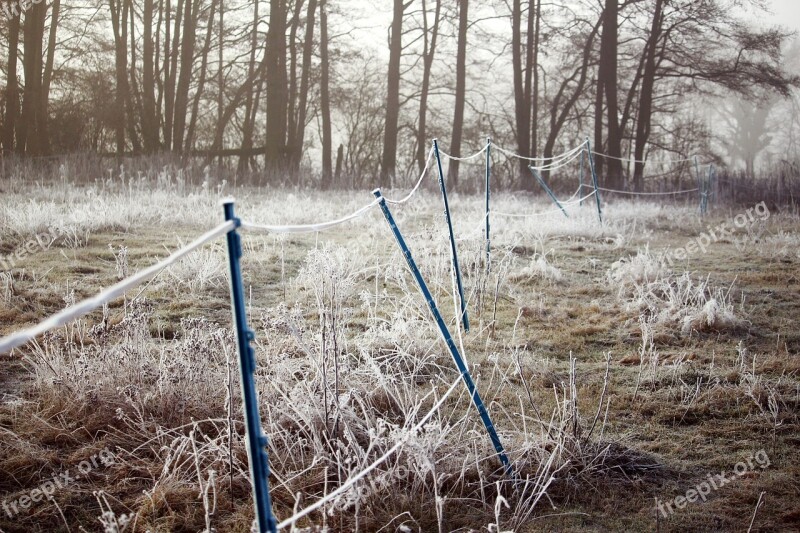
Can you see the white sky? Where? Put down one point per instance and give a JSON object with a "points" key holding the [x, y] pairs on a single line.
{"points": [[786, 13]]}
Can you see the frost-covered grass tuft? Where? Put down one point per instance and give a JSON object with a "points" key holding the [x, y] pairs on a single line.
{"points": [[539, 267], [640, 269]]}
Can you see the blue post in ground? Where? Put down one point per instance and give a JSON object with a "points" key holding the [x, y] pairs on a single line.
{"points": [[712, 175], [255, 439], [547, 189], [594, 179], [700, 186], [453, 252], [451, 345], [488, 175]]}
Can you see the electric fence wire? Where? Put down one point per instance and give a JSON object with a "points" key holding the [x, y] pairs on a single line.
{"points": [[375, 464], [85, 307]]}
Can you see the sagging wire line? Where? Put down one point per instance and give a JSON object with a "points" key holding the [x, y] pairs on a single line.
{"points": [[666, 193], [466, 158], [478, 229], [419, 182], [552, 211], [643, 161], [322, 226], [88, 305], [553, 159], [555, 165], [308, 228], [363, 473], [574, 195]]}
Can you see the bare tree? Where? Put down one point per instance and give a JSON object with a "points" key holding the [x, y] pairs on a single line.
{"points": [[461, 92], [12, 87], [277, 97], [428, 53], [325, 99], [389, 158]]}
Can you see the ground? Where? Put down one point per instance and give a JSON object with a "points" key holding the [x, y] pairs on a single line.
{"points": [[629, 366]]}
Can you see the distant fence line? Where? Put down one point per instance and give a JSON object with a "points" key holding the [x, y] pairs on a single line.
{"points": [[777, 186]]}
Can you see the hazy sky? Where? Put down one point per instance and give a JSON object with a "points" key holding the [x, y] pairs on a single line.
{"points": [[784, 12]]}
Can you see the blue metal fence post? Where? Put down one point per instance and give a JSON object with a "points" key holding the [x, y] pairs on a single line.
{"points": [[488, 188], [712, 176], [453, 252], [448, 338], [547, 189], [699, 184], [594, 179], [255, 439]]}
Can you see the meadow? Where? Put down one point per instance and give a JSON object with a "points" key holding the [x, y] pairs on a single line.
{"points": [[627, 365]]}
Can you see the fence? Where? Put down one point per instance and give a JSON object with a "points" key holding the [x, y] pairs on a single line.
{"points": [[232, 226]]}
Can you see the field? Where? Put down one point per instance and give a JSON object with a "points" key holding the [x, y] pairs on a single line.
{"points": [[629, 366]]}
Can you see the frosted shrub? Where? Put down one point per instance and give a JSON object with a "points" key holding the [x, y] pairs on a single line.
{"points": [[199, 270], [680, 301], [781, 245], [631, 271], [6, 287], [539, 268]]}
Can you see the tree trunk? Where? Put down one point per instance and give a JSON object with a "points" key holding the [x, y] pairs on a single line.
{"points": [[305, 77], [461, 93], [522, 104], [389, 158], [171, 69], [47, 78], [29, 140], [325, 99], [646, 98], [133, 103], [249, 123], [12, 87], [292, 97], [221, 74], [428, 55], [276, 89], [149, 120], [191, 9], [608, 68], [597, 146], [119, 26], [159, 79], [201, 83], [535, 103], [337, 177]]}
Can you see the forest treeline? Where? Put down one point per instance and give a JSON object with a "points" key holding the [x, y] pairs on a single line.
{"points": [[285, 87]]}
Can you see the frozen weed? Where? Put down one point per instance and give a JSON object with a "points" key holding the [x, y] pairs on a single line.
{"points": [[648, 287], [540, 268]]}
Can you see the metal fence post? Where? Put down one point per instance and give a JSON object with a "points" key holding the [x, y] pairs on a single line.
{"points": [[547, 189], [488, 175], [594, 179], [448, 338], [256, 441], [453, 252]]}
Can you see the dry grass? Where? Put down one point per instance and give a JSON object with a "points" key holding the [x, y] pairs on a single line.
{"points": [[612, 379]]}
